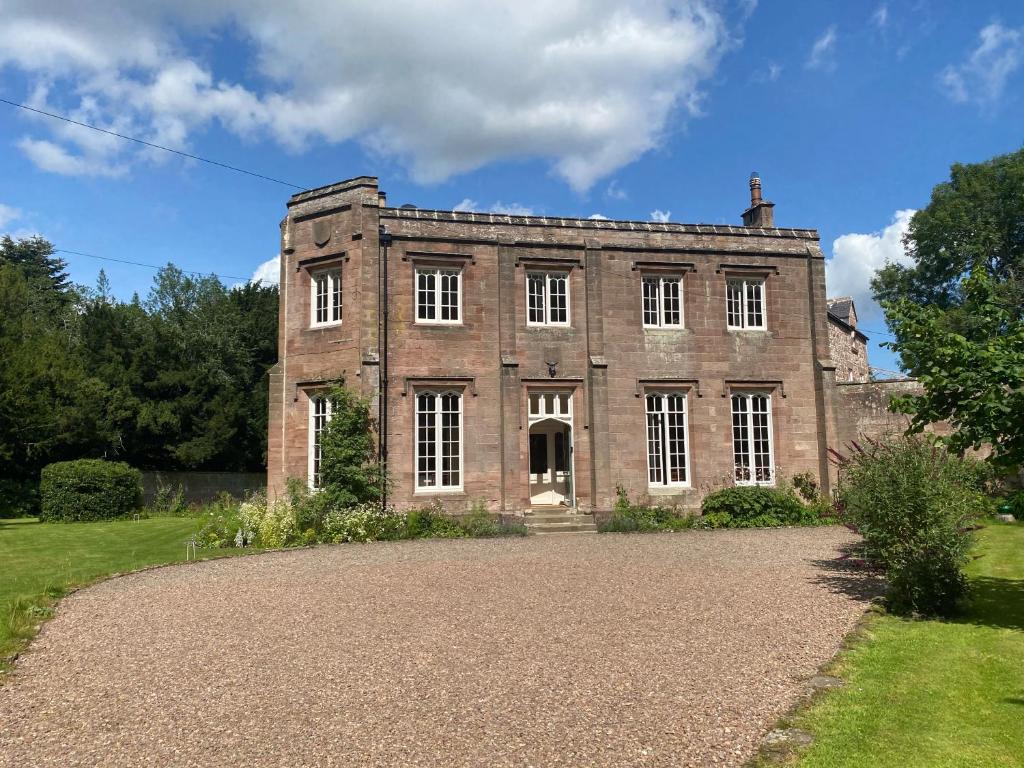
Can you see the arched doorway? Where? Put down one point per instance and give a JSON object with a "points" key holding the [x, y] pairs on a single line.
{"points": [[551, 449]]}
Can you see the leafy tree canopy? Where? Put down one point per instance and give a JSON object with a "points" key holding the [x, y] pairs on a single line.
{"points": [[957, 313]]}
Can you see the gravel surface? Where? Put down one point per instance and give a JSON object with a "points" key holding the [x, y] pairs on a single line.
{"points": [[610, 650]]}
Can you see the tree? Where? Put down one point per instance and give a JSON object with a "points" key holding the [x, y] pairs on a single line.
{"points": [[957, 313], [350, 472]]}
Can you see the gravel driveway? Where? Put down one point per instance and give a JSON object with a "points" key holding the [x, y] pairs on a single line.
{"points": [[611, 650]]}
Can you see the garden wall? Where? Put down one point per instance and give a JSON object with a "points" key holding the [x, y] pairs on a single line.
{"points": [[203, 486]]}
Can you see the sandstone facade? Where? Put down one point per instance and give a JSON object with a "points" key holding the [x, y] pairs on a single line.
{"points": [[598, 366]]}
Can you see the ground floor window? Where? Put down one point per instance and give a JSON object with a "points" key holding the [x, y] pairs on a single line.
{"points": [[438, 441], [319, 416], [666, 439], [752, 439]]}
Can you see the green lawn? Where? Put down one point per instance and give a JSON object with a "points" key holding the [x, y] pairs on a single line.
{"points": [[934, 693], [39, 561]]}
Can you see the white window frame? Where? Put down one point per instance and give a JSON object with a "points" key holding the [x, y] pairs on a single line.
{"points": [[335, 297], [745, 283], [747, 419], [315, 399], [438, 470], [437, 272], [661, 300], [549, 278], [663, 442]]}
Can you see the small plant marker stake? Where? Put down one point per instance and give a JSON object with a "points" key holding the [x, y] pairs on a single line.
{"points": [[190, 547]]}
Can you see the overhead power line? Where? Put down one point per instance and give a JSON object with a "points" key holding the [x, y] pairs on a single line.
{"points": [[151, 266], [217, 163]]}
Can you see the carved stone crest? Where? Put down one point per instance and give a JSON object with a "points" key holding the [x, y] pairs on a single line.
{"points": [[321, 232]]}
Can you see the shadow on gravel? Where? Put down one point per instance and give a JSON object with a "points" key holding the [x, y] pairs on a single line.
{"points": [[848, 576]]}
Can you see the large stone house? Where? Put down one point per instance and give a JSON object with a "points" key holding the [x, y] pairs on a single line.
{"points": [[849, 346], [536, 362]]}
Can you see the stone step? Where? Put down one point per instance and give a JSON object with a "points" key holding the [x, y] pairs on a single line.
{"points": [[557, 517]]}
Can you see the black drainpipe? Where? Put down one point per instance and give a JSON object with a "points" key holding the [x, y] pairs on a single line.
{"points": [[382, 356]]}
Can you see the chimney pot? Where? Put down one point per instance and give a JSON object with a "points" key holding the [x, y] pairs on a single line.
{"points": [[759, 214]]}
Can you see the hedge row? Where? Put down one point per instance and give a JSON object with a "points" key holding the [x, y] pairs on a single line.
{"points": [[89, 489]]}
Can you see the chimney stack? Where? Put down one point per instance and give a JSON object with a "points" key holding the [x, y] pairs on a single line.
{"points": [[759, 214]]}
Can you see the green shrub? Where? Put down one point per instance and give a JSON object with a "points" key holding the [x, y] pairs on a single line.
{"points": [[628, 517], [914, 503], [168, 501], [221, 524], [480, 523], [753, 506], [89, 489]]}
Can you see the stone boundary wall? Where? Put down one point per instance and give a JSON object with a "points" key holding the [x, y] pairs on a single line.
{"points": [[200, 487]]}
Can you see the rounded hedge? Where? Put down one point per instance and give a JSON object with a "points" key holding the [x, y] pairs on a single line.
{"points": [[89, 489], [753, 506]]}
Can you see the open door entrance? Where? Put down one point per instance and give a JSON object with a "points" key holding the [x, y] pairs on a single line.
{"points": [[551, 464]]}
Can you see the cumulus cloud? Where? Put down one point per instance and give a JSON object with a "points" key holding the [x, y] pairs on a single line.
{"points": [[510, 209], [614, 191], [268, 273], [8, 214], [822, 56], [981, 78], [856, 257], [660, 216], [880, 18], [588, 86], [598, 217]]}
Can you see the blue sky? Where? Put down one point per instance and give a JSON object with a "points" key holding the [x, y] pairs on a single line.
{"points": [[851, 112]]}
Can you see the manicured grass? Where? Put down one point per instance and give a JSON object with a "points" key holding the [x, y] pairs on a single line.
{"points": [[934, 693], [39, 561]]}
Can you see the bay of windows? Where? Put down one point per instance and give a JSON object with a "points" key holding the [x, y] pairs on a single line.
{"points": [[667, 440], [438, 295], [745, 304], [326, 298], [438, 441], [662, 302], [547, 298], [753, 461]]}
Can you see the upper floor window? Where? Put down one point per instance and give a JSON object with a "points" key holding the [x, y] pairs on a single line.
{"points": [[666, 440], [745, 304], [320, 408], [438, 295], [326, 298], [547, 298], [663, 302], [753, 458], [438, 441]]}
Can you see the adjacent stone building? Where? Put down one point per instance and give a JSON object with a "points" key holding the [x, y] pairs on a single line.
{"points": [[534, 362], [849, 346]]}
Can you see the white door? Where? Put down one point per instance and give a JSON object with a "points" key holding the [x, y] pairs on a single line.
{"points": [[550, 464]]}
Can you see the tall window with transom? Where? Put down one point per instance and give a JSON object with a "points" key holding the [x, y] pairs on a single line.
{"points": [[745, 304], [752, 439], [438, 441], [320, 408], [662, 302], [547, 298], [667, 444], [326, 298], [438, 295]]}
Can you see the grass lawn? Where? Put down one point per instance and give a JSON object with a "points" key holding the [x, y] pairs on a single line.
{"points": [[934, 693], [39, 561]]}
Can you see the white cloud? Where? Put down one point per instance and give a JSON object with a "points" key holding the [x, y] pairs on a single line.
{"points": [[588, 86], [598, 217], [8, 214], [880, 18], [510, 209], [769, 74], [614, 191], [822, 56], [856, 258], [660, 216], [982, 77], [268, 273]]}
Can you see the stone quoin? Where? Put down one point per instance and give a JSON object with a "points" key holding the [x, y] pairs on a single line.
{"points": [[543, 362]]}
